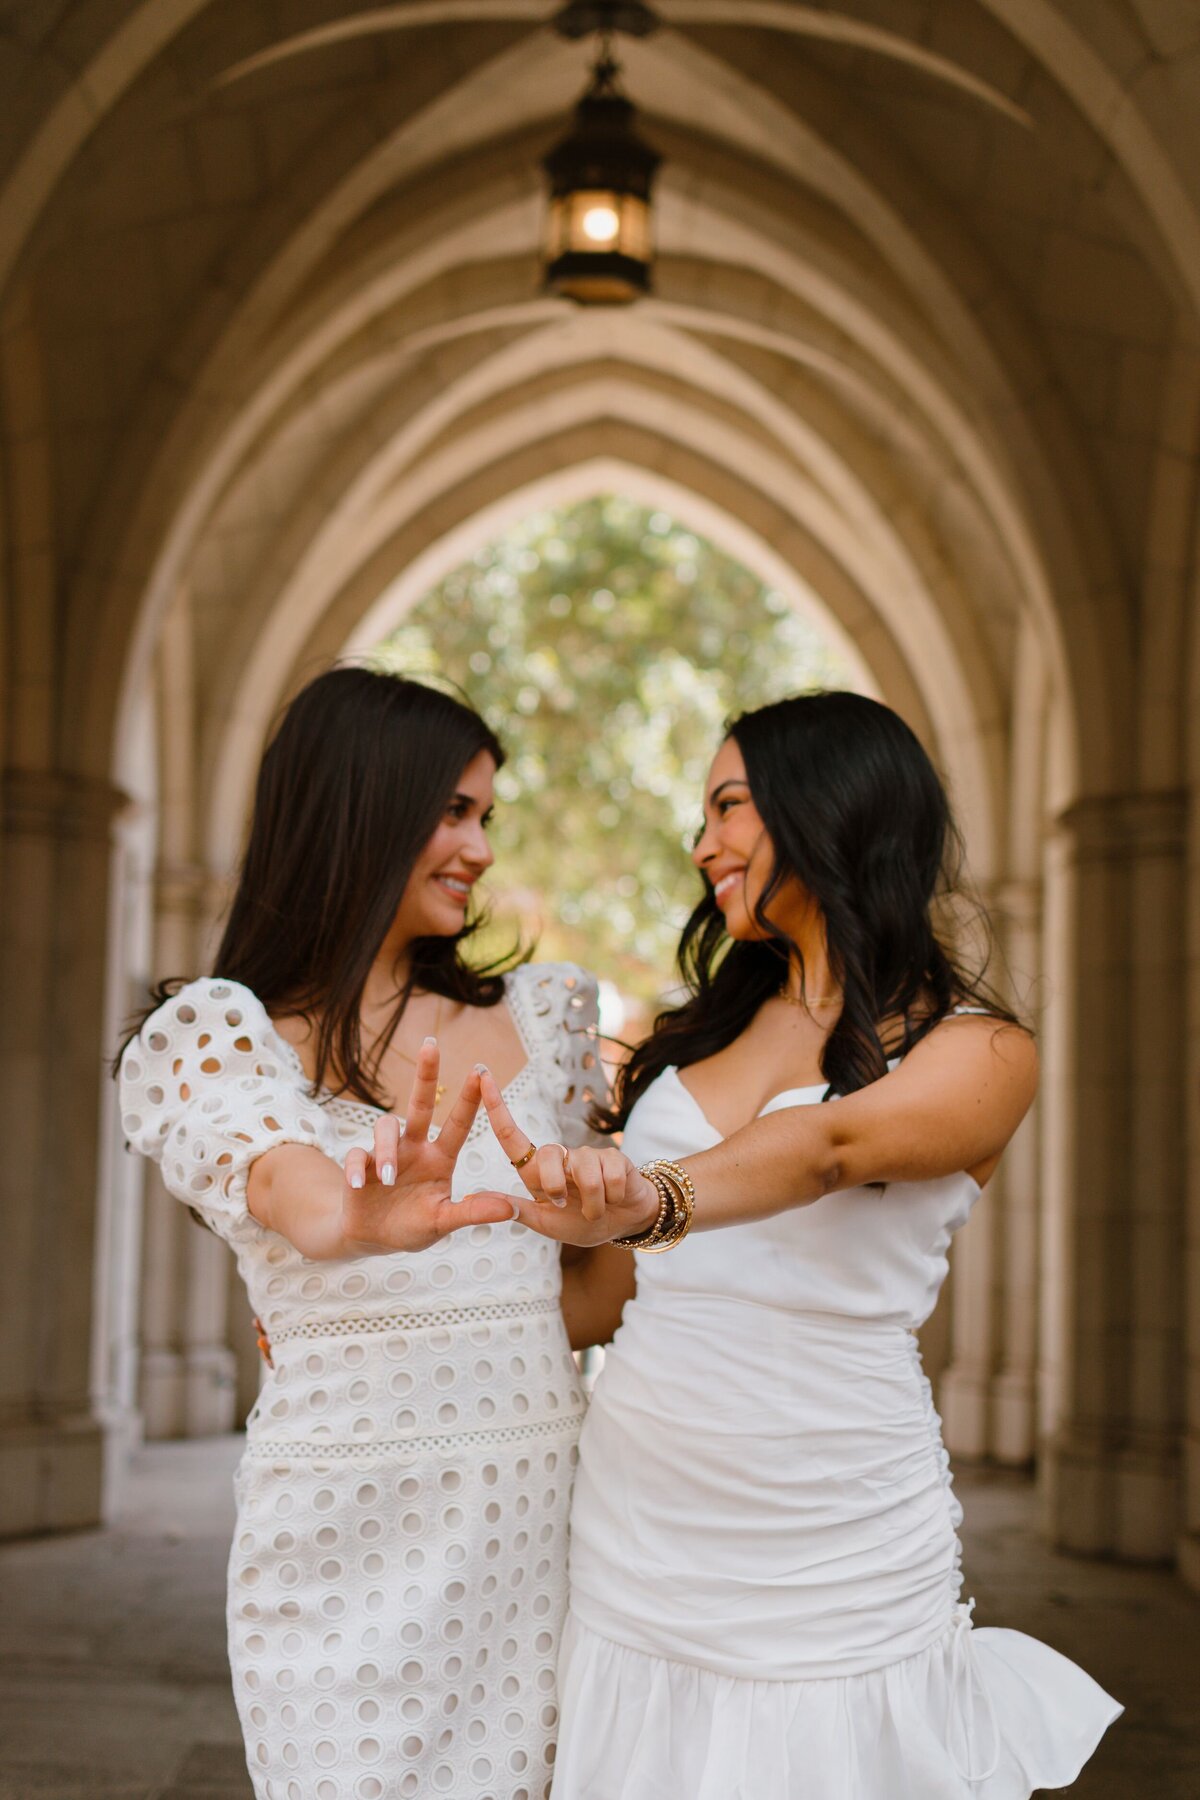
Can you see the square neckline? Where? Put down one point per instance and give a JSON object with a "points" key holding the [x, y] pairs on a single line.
{"points": [[325, 1097]]}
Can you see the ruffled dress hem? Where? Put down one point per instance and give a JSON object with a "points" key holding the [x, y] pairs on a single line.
{"points": [[981, 1714]]}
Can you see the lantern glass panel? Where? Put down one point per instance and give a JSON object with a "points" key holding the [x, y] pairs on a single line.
{"points": [[599, 221]]}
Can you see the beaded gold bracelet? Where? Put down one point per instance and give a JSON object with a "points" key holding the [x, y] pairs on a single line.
{"points": [[640, 1240], [684, 1202], [678, 1202]]}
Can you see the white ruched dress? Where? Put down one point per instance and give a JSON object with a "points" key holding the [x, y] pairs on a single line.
{"points": [[765, 1586], [398, 1576]]}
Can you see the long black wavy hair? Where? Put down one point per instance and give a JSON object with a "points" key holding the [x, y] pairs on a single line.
{"points": [[855, 811], [359, 772]]}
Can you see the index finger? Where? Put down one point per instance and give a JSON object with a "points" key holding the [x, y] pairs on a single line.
{"points": [[512, 1140], [461, 1117], [423, 1096]]}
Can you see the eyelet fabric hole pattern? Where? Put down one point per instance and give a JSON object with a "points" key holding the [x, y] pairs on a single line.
{"points": [[397, 1581]]}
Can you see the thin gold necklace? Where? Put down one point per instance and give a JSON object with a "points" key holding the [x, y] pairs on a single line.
{"points": [[806, 1002], [437, 1020]]}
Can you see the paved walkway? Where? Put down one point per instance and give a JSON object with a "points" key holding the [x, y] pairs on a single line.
{"points": [[112, 1667]]}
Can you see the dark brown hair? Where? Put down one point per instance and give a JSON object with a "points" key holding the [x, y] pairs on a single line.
{"points": [[857, 813], [354, 782]]}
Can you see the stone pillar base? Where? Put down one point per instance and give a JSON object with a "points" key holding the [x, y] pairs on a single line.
{"points": [[51, 1477], [163, 1386], [190, 1392], [1013, 1430], [964, 1403], [1105, 1502], [210, 1390]]}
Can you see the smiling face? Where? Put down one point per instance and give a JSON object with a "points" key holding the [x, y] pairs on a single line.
{"points": [[438, 893], [737, 855]]}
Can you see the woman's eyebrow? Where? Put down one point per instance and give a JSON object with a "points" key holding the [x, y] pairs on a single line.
{"points": [[730, 781]]}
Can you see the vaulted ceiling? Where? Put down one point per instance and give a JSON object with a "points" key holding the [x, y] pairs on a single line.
{"points": [[926, 327]]}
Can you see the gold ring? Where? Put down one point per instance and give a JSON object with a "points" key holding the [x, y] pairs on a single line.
{"points": [[519, 1162]]}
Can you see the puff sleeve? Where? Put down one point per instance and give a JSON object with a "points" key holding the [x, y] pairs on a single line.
{"points": [[206, 1088], [578, 1079]]}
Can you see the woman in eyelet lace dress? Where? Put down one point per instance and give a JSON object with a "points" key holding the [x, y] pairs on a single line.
{"points": [[765, 1576], [397, 1577]]}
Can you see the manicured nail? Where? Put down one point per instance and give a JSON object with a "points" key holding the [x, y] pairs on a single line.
{"points": [[356, 1180], [430, 1041], [516, 1211], [481, 1068], [560, 1203], [388, 1175]]}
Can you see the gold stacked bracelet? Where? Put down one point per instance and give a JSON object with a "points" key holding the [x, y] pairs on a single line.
{"points": [[677, 1205]]}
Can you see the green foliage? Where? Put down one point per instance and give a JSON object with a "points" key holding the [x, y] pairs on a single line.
{"points": [[606, 645]]}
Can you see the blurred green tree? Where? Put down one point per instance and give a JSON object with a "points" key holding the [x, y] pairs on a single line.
{"points": [[606, 645]]}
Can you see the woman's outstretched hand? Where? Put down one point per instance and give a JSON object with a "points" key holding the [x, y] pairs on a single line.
{"points": [[584, 1196], [397, 1196]]}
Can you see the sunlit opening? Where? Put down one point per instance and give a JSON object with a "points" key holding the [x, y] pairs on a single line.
{"points": [[607, 645]]}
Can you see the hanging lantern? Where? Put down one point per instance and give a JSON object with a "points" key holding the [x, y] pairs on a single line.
{"points": [[598, 247]]}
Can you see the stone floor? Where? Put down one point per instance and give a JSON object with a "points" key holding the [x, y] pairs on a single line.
{"points": [[112, 1672]]}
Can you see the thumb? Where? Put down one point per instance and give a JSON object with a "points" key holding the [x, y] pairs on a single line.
{"points": [[484, 1208]]}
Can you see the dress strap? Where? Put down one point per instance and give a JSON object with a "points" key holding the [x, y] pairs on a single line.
{"points": [[965, 1683]]}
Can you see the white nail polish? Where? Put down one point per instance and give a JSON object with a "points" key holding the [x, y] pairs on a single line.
{"points": [[430, 1041], [388, 1175], [516, 1211], [356, 1180], [561, 1203]]}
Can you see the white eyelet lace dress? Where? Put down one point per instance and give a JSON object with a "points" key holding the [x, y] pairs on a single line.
{"points": [[764, 1563], [397, 1579]]}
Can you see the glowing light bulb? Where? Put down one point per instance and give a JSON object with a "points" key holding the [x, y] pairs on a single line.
{"points": [[601, 224]]}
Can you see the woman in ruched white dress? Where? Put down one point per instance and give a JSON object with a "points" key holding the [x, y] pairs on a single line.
{"points": [[765, 1584], [398, 1574]]}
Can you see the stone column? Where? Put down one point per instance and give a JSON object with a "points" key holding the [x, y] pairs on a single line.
{"points": [[964, 1392], [1013, 1433], [1112, 1464], [986, 1396], [119, 1189], [188, 1369], [1189, 1543], [56, 829]]}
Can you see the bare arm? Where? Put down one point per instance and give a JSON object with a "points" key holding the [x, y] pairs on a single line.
{"points": [[596, 1285], [952, 1105], [296, 1191]]}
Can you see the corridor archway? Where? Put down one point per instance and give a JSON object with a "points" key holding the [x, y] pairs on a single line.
{"points": [[924, 349]]}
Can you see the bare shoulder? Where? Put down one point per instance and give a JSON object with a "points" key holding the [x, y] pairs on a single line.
{"points": [[294, 1028], [980, 1044]]}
